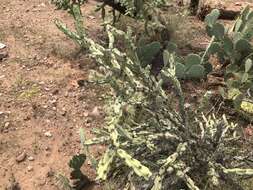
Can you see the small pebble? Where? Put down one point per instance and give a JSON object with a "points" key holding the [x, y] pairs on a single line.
{"points": [[7, 124], [29, 168], [21, 157], [3, 55], [30, 158], [95, 112], [6, 131], [47, 148], [48, 134], [85, 114], [63, 112], [187, 105], [91, 17], [2, 46]]}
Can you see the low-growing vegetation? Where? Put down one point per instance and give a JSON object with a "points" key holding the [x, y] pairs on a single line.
{"points": [[152, 143]]}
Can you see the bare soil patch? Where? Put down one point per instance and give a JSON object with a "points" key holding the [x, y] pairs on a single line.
{"points": [[42, 106]]}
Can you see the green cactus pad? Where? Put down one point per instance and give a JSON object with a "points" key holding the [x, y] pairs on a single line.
{"points": [[218, 30], [237, 36], [231, 68], [180, 70], [228, 46], [212, 17], [77, 161], [192, 59], [148, 52], [196, 71], [171, 47], [214, 48], [243, 45]]}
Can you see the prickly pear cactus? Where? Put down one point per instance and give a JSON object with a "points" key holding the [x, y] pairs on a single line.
{"points": [[233, 47], [193, 66], [147, 53]]}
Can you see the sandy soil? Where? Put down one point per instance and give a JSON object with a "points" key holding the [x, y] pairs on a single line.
{"points": [[39, 94]]}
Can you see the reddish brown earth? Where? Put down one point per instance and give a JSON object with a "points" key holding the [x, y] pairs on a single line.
{"points": [[39, 93]]}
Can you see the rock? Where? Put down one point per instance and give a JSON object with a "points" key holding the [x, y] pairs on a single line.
{"points": [[6, 125], [187, 105], [21, 157], [66, 94], [47, 89], [2, 46], [29, 168], [81, 82], [53, 102], [30, 158], [85, 114], [47, 148], [91, 17], [48, 134], [5, 130], [63, 112], [3, 55], [42, 5], [238, 4], [95, 112], [41, 83]]}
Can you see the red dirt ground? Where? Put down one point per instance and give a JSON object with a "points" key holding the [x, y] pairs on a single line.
{"points": [[39, 93]]}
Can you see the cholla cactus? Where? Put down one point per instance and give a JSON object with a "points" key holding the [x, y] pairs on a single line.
{"points": [[150, 144], [135, 8], [74, 8], [66, 4]]}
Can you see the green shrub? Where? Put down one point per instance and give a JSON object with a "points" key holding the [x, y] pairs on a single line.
{"points": [[149, 144]]}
